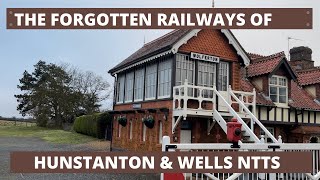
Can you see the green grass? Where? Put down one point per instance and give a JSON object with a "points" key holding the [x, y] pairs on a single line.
{"points": [[49, 135]]}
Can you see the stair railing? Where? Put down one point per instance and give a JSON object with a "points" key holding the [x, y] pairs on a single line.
{"points": [[236, 115], [245, 108]]}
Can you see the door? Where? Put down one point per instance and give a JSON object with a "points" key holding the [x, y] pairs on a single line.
{"points": [[185, 136], [222, 85]]}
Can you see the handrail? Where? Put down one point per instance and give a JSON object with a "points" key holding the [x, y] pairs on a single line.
{"points": [[235, 114], [253, 117]]}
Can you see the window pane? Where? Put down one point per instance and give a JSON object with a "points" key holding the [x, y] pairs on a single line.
{"points": [[282, 91], [120, 92], [129, 86], [185, 68], [139, 83], [164, 78], [273, 80], [282, 81], [274, 98], [282, 99], [273, 90], [151, 80], [223, 76]]}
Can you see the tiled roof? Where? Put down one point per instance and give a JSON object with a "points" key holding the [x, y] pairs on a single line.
{"points": [[261, 99], [160, 44], [308, 77], [254, 56], [301, 99], [264, 65]]}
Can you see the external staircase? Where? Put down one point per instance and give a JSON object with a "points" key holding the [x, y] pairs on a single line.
{"points": [[189, 100]]}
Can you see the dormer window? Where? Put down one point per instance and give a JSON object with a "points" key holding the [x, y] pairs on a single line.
{"points": [[278, 89]]}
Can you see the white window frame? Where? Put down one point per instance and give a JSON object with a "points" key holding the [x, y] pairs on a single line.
{"points": [[214, 73], [220, 74], [129, 87], [190, 66], [165, 67], [139, 84], [120, 88], [278, 86], [152, 74]]}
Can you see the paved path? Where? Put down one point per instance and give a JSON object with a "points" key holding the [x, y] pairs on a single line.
{"points": [[8, 144]]}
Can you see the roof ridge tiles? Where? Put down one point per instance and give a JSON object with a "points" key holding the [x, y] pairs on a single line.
{"points": [[270, 57]]}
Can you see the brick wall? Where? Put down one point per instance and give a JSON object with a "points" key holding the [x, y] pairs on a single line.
{"points": [[211, 42], [152, 135]]}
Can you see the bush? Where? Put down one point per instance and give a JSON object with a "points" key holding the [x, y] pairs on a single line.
{"points": [[92, 125]]}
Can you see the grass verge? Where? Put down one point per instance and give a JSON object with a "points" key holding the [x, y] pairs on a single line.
{"points": [[49, 135]]}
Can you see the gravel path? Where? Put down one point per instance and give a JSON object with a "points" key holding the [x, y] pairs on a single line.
{"points": [[8, 144]]}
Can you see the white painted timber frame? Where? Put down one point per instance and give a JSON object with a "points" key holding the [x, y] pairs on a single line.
{"points": [[175, 48], [186, 92]]}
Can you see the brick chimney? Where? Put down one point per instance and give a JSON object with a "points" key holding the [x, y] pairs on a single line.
{"points": [[301, 58]]}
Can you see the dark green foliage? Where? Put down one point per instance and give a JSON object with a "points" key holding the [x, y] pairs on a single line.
{"points": [[148, 121], [122, 120], [53, 96], [92, 125]]}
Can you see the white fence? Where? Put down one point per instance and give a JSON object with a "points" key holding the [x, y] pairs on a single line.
{"points": [[254, 147]]}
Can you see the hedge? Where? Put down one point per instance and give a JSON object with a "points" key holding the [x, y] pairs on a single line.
{"points": [[92, 125]]}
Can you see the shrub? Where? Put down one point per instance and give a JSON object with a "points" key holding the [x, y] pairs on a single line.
{"points": [[92, 125]]}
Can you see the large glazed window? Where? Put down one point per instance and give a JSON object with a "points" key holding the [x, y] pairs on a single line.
{"points": [[138, 85], [151, 81], [206, 73], [206, 76], [223, 76], [278, 90], [120, 88], [184, 69], [164, 79], [129, 87]]}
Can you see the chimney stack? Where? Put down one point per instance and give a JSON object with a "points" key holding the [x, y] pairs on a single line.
{"points": [[301, 58]]}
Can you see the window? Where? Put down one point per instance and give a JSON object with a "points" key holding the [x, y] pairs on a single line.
{"points": [[151, 80], [206, 73], [120, 88], [160, 132], [144, 132], [184, 69], [267, 139], [164, 85], [206, 76], [129, 87], [223, 76], [130, 130], [278, 89], [138, 85]]}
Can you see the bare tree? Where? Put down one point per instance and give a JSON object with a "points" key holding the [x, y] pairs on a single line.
{"points": [[94, 88]]}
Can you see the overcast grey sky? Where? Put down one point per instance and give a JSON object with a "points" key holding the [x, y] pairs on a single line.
{"points": [[100, 50]]}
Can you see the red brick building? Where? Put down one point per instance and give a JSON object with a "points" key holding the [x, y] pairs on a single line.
{"points": [[188, 83]]}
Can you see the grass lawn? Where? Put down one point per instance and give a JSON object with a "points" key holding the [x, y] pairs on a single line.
{"points": [[50, 135]]}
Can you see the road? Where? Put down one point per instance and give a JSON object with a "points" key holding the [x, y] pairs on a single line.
{"points": [[9, 144]]}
